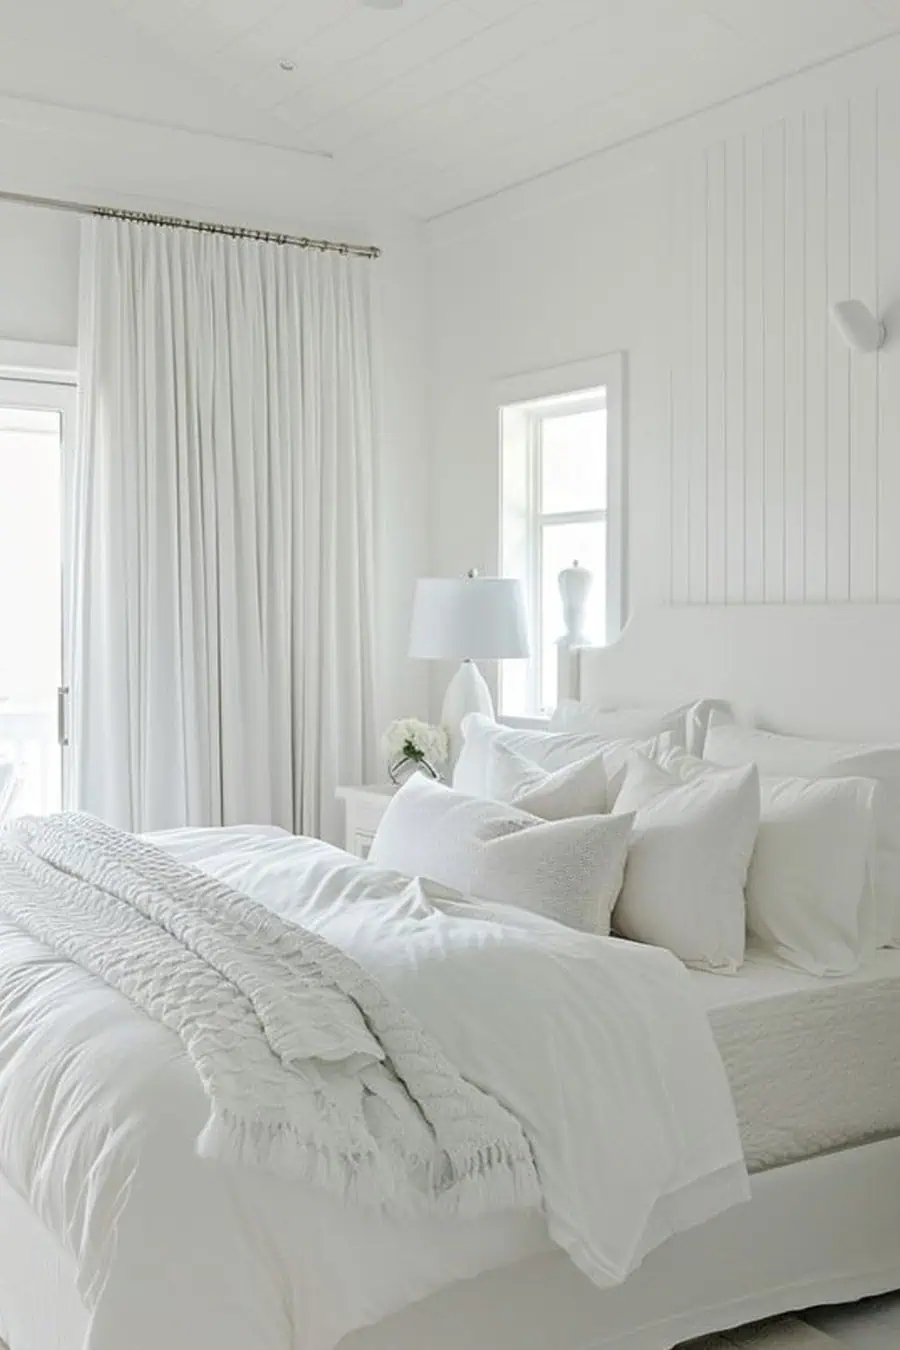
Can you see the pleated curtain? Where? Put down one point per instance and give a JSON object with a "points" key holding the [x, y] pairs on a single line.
{"points": [[220, 599]]}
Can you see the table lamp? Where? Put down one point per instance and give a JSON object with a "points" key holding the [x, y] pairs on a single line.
{"points": [[467, 619]]}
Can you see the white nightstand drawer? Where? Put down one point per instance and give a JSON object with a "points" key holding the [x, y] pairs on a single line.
{"points": [[364, 807]]}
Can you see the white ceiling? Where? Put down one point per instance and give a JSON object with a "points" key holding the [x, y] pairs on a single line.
{"points": [[430, 106]]}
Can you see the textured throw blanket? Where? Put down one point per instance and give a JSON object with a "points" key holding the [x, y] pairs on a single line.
{"points": [[310, 1069]]}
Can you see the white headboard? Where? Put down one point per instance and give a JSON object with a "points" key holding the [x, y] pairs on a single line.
{"points": [[818, 670]]}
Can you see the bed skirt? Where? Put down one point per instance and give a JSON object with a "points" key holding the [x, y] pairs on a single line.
{"points": [[825, 1230]]}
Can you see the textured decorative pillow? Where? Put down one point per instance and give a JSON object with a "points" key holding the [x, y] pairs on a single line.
{"points": [[809, 894], [548, 750], [687, 865], [687, 724], [568, 870], [577, 789], [794, 756]]}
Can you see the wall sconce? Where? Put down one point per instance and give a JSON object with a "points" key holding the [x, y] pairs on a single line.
{"points": [[858, 326]]}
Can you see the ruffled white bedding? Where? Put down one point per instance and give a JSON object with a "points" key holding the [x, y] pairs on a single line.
{"points": [[597, 1047]]}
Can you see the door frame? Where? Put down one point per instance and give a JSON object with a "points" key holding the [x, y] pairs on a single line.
{"points": [[43, 362], [25, 369]]}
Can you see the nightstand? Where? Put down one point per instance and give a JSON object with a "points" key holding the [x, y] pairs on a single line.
{"points": [[363, 807]]}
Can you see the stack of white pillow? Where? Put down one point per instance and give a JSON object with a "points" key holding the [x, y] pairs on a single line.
{"points": [[676, 827]]}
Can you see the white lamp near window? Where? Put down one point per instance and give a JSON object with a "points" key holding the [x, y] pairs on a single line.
{"points": [[467, 619]]}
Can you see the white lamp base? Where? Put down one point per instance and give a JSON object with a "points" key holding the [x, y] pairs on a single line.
{"points": [[466, 693]]}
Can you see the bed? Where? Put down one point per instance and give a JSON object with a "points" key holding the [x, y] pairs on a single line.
{"points": [[823, 1224]]}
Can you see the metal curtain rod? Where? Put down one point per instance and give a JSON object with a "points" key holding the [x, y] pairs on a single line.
{"points": [[234, 231]]}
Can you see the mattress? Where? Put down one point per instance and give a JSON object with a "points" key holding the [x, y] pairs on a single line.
{"points": [[814, 1064]]}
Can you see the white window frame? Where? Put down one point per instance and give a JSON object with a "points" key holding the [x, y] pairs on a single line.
{"points": [[580, 386], [42, 362]]}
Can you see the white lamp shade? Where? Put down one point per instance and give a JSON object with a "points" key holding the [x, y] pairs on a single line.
{"points": [[468, 618]]}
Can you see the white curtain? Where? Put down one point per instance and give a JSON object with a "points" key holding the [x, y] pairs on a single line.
{"points": [[220, 631]]}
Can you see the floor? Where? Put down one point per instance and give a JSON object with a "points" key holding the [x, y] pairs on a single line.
{"points": [[871, 1325]]}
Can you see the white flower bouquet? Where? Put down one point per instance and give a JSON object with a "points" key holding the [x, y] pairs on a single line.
{"points": [[410, 742]]}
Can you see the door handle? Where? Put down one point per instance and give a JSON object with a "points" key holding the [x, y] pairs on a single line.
{"points": [[62, 729]]}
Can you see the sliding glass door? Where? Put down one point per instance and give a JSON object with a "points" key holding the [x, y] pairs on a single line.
{"points": [[36, 424]]}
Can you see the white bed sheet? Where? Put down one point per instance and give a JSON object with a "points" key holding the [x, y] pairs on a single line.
{"points": [[814, 1064]]}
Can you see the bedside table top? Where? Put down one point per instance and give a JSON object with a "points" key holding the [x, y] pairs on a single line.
{"points": [[373, 791]]}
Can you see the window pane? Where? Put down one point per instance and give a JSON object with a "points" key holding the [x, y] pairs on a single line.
{"points": [[561, 546], [516, 541], [515, 689], [30, 461], [573, 462]]}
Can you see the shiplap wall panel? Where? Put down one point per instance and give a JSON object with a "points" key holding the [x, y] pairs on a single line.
{"points": [[680, 419], [863, 374], [784, 445], [815, 387], [795, 362], [773, 361], [888, 286], [754, 378], [735, 308], [698, 524], [837, 124], [716, 464]]}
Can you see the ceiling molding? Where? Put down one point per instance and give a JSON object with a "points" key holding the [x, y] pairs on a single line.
{"points": [[56, 152], [87, 124]]}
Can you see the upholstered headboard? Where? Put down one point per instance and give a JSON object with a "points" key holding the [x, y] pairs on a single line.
{"points": [[819, 670]]}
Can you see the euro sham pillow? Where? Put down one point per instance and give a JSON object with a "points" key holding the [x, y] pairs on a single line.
{"points": [[567, 870], [577, 789], [687, 864], [809, 894], [548, 750], [780, 756], [687, 723]]}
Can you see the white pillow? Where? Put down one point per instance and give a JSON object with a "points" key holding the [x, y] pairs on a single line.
{"points": [[809, 897], [809, 894], [795, 756], [577, 789], [548, 750], [687, 723], [687, 865], [568, 870]]}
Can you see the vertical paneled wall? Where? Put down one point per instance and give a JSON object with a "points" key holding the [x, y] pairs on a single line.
{"points": [[784, 447]]}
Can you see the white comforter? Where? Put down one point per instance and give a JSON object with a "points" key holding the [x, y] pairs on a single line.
{"points": [[597, 1047]]}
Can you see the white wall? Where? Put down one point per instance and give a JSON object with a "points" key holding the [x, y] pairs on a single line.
{"points": [[764, 460], [38, 275], [95, 159], [403, 477]]}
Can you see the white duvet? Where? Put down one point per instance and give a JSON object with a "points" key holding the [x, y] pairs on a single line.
{"points": [[596, 1046]]}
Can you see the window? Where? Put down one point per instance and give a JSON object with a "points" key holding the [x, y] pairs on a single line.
{"points": [[560, 503], [35, 423]]}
